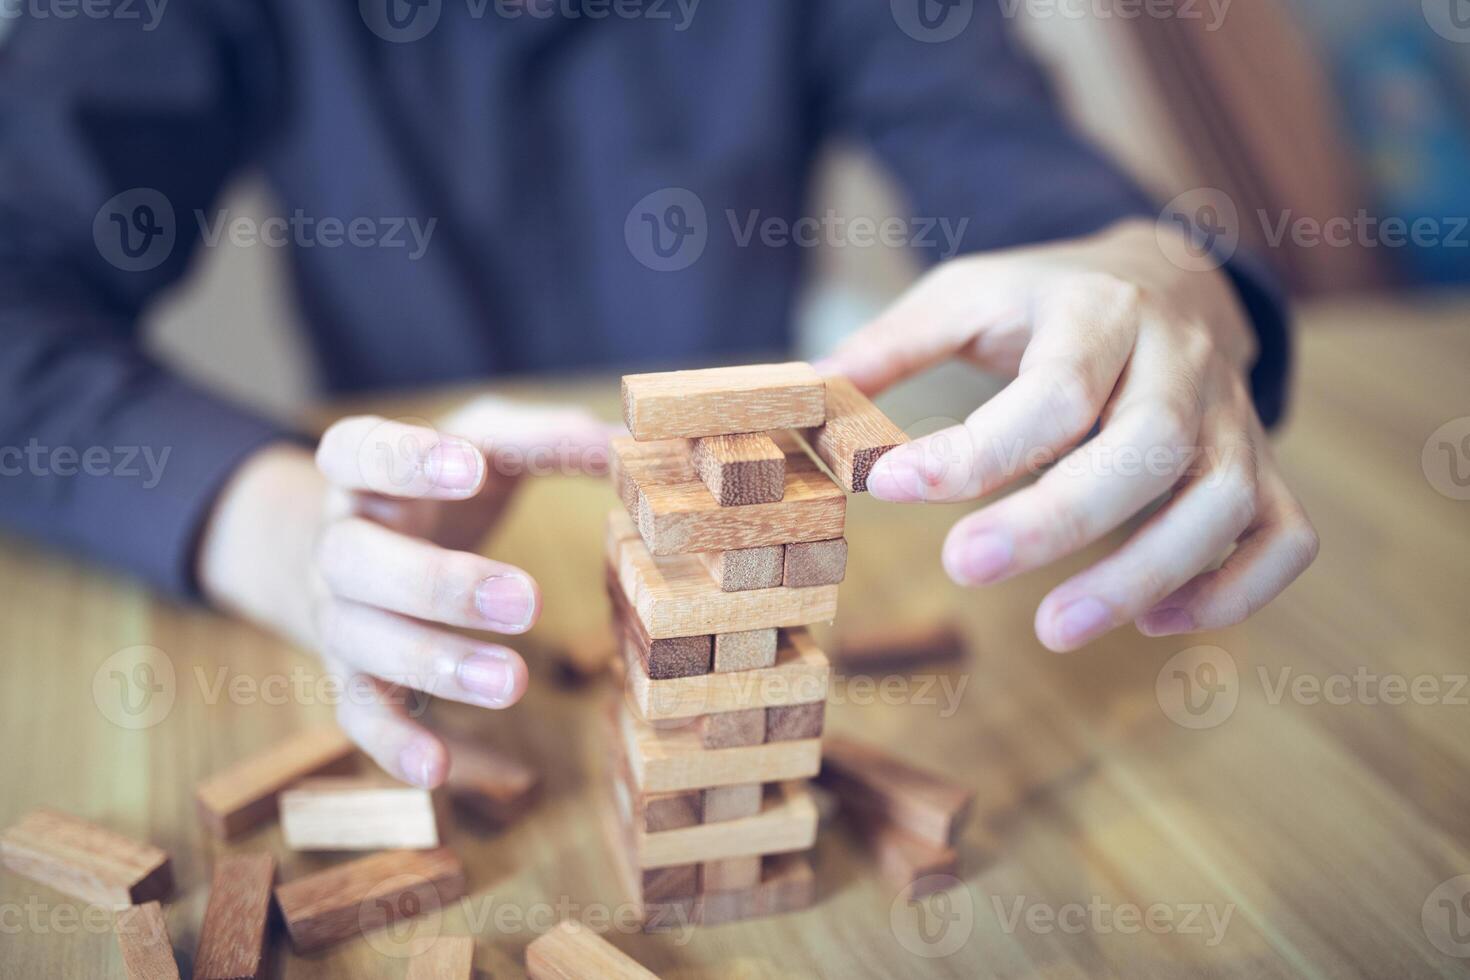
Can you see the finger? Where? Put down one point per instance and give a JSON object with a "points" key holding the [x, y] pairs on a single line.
{"points": [[1083, 339], [1278, 547], [397, 460], [410, 654], [375, 716], [535, 440], [373, 565]]}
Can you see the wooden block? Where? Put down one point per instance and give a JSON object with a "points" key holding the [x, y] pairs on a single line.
{"points": [[675, 881], [676, 514], [491, 784], [647, 812], [899, 647], [671, 760], [232, 938], [748, 468], [785, 820], [795, 721], [747, 568], [737, 802], [244, 794], [674, 656], [799, 676], [745, 650], [350, 813], [721, 401], [450, 958], [674, 596], [728, 729], [731, 874], [79, 858], [142, 935], [854, 435], [875, 784], [585, 656], [903, 859], [815, 563], [571, 951], [787, 885], [347, 899]]}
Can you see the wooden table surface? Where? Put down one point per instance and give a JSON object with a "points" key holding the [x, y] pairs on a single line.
{"points": [[1302, 815]]}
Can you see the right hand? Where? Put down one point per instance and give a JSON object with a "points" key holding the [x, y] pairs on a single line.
{"points": [[362, 556]]}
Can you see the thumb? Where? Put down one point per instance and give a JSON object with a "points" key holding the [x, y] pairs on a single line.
{"points": [[520, 439]]}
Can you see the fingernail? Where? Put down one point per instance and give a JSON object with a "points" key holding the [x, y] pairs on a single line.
{"points": [[416, 762], [983, 557], [453, 464], [507, 601], [1166, 622], [1079, 620], [897, 477], [488, 675]]}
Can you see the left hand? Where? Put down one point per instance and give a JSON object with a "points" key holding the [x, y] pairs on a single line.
{"points": [[1102, 333]]}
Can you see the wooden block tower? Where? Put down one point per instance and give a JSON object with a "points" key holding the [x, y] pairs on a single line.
{"points": [[729, 544]]}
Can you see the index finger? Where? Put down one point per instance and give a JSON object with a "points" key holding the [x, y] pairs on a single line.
{"points": [[396, 459]]}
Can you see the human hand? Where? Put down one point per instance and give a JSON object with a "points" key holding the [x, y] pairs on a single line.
{"points": [[1103, 333]]}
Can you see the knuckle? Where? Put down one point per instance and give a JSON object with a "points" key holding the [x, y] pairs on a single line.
{"points": [[333, 546], [1072, 398], [446, 582], [1302, 544], [1062, 529], [1238, 495]]}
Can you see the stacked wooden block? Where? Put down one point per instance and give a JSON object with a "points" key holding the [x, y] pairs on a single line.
{"points": [[729, 544]]}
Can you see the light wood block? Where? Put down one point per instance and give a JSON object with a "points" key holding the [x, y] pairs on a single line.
{"points": [[795, 721], [670, 760], [673, 656], [676, 514], [745, 650], [350, 813], [232, 938], [722, 401], [450, 958], [245, 793], [786, 821], [905, 860], [743, 469], [878, 785], [674, 596], [799, 676], [747, 568], [854, 435], [728, 729], [571, 951], [347, 899], [787, 885], [142, 936], [81, 859], [493, 785], [814, 563], [731, 874], [738, 802], [676, 881], [899, 647]]}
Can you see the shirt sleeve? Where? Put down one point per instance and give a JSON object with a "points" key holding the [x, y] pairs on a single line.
{"points": [[111, 136], [966, 123]]}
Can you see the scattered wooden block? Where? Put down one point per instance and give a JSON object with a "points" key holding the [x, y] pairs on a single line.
{"points": [[742, 469], [876, 785], [795, 721], [675, 513], [745, 569], [737, 802], [232, 938], [799, 676], [674, 596], [721, 401], [785, 821], [571, 951], [244, 794], [731, 874], [81, 859], [745, 650], [670, 760], [905, 861], [585, 656], [494, 786], [809, 563], [450, 958], [899, 647], [350, 813], [347, 899], [728, 729], [673, 656], [142, 935], [853, 436]]}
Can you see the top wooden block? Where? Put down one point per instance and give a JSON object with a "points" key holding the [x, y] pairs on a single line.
{"points": [[723, 401]]}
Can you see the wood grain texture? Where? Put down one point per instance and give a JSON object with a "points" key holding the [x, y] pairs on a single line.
{"points": [[352, 813], [807, 563], [722, 401], [788, 884], [346, 900], [747, 568], [880, 785], [84, 860], [142, 937], [571, 951], [799, 676], [671, 656], [898, 647], [731, 874], [244, 794], [674, 595], [736, 802], [795, 721], [745, 650], [450, 958], [495, 786], [729, 729], [675, 513], [786, 821], [674, 759], [232, 937], [855, 434], [742, 469]]}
